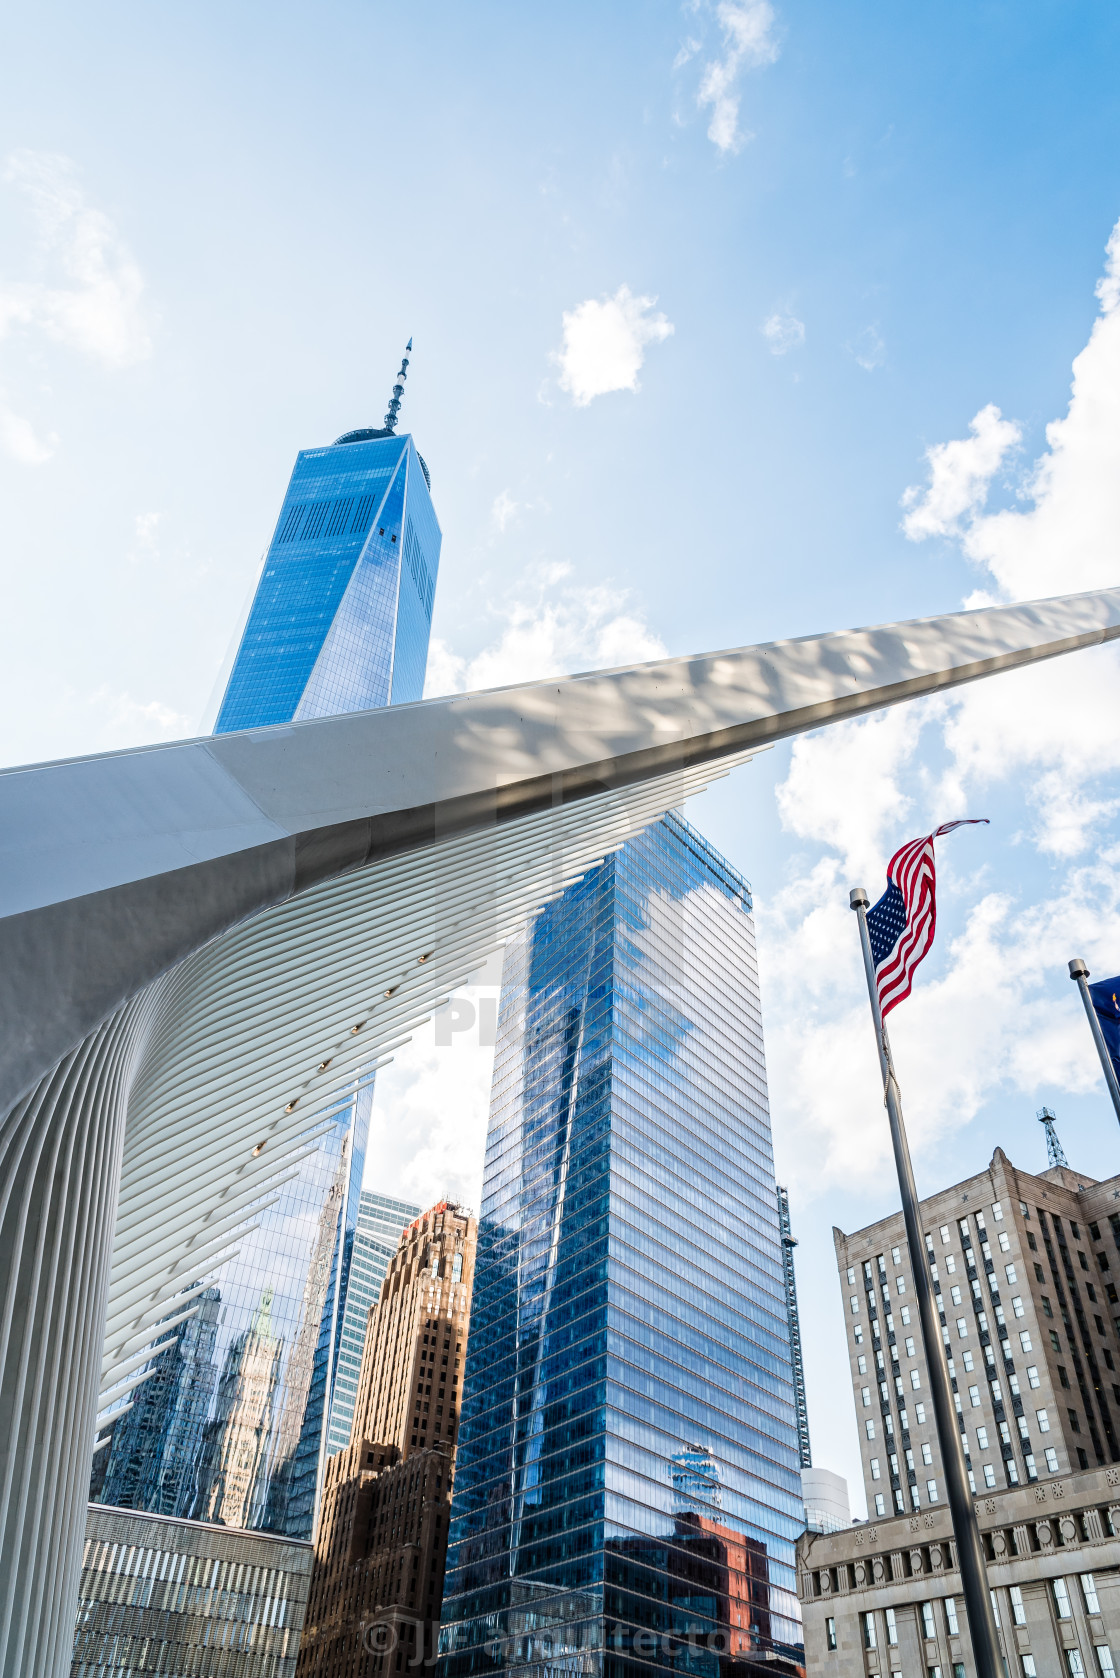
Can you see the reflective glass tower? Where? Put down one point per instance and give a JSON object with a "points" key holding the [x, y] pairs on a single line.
{"points": [[230, 1425], [627, 1493], [343, 610]]}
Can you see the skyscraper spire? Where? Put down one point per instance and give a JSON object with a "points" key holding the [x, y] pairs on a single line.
{"points": [[398, 392], [1055, 1153]]}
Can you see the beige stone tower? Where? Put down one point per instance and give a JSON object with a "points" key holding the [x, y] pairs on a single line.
{"points": [[381, 1545]]}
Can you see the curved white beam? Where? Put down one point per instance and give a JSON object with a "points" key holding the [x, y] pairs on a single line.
{"points": [[114, 868], [205, 941]]}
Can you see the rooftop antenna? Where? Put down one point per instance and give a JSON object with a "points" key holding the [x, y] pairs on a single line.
{"points": [[1055, 1153], [398, 392]]}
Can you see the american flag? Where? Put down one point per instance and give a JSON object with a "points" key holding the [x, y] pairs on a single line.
{"points": [[902, 924]]}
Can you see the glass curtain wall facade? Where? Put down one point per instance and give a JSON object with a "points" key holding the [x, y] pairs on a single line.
{"points": [[627, 1494], [230, 1425], [343, 610], [378, 1235]]}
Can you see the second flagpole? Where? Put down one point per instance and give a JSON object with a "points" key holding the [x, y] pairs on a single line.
{"points": [[966, 1529]]}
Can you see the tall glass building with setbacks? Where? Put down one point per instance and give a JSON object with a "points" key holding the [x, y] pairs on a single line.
{"points": [[627, 1491], [230, 1426]]}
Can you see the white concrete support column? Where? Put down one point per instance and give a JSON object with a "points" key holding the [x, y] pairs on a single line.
{"points": [[60, 1152]]}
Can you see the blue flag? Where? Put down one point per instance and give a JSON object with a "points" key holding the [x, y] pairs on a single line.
{"points": [[1106, 1001]]}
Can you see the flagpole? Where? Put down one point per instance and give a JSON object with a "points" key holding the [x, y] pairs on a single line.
{"points": [[1080, 974], [966, 1530]]}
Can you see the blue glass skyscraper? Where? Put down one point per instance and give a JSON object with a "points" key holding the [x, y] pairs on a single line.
{"points": [[231, 1425], [343, 609], [627, 1491]]}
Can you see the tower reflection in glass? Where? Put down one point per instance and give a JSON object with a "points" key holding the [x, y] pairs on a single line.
{"points": [[229, 1425], [627, 1487]]}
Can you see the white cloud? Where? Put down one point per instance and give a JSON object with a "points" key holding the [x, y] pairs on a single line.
{"points": [[1040, 744], [92, 299], [959, 475], [869, 349], [558, 630], [430, 1108], [1066, 539], [19, 439], [503, 510], [604, 344], [748, 43], [783, 332]]}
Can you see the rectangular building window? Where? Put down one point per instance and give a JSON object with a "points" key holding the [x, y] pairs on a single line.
{"points": [[874, 1466], [1104, 1661], [944, 1235], [955, 1296], [995, 1610], [1042, 1417], [931, 1490], [974, 1397], [1047, 1308], [920, 1414], [1052, 1460], [982, 1438], [1033, 1376], [927, 1452], [854, 1303], [892, 1627], [1073, 1421], [851, 1278], [896, 1255], [869, 1428], [868, 1630], [1030, 1670], [989, 1474], [1061, 1600], [997, 1210], [1025, 1341], [929, 1629], [962, 1328], [865, 1394], [880, 1504], [1018, 1612], [915, 1380], [951, 1616], [1074, 1664], [1089, 1592], [830, 1632], [1017, 1306], [1012, 1275]]}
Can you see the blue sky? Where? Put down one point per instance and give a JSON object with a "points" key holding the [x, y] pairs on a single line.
{"points": [[806, 244]]}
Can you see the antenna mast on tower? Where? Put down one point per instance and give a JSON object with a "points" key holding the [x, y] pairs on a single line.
{"points": [[398, 392], [1055, 1153]]}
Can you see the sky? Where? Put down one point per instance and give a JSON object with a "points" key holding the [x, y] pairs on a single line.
{"points": [[733, 320]]}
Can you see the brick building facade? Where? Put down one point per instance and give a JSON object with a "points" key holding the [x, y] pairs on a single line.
{"points": [[381, 1545]]}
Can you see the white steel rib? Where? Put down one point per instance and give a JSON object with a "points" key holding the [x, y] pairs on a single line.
{"points": [[207, 943]]}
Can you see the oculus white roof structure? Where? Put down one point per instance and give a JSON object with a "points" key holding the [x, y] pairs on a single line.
{"points": [[204, 941]]}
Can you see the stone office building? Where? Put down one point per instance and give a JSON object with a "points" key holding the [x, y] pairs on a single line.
{"points": [[381, 1547], [1024, 1272], [885, 1599]]}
